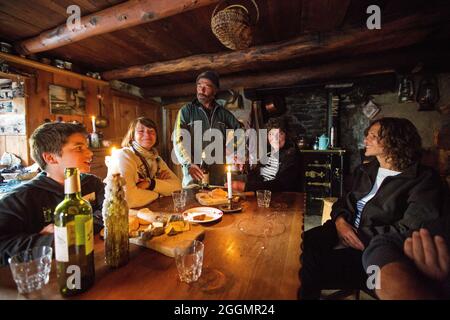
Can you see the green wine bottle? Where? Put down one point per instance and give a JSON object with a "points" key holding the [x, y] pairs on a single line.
{"points": [[74, 238], [204, 182]]}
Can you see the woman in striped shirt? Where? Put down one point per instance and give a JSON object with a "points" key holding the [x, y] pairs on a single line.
{"points": [[281, 169]]}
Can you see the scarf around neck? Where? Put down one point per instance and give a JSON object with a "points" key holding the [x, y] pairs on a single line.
{"points": [[150, 169]]}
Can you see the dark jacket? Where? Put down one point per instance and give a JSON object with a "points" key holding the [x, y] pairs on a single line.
{"points": [[23, 212], [220, 119], [287, 178], [402, 203]]}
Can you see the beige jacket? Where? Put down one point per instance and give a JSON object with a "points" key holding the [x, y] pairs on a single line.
{"points": [[128, 168]]}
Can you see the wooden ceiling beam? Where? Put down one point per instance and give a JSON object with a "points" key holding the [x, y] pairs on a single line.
{"points": [[400, 33], [379, 64], [121, 16]]}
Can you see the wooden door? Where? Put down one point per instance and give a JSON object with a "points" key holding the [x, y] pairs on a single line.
{"points": [[125, 111]]}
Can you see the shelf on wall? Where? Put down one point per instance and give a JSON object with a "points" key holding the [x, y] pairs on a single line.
{"points": [[12, 76], [45, 67]]}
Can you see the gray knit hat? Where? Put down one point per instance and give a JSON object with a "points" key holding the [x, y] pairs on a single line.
{"points": [[210, 75]]}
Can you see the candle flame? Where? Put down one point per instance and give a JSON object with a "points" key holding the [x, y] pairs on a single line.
{"points": [[229, 168], [113, 149], [93, 117]]}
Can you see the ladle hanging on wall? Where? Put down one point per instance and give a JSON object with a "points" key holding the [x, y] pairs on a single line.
{"points": [[100, 120]]}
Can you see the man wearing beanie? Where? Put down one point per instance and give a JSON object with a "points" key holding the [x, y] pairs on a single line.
{"points": [[204, 111]]}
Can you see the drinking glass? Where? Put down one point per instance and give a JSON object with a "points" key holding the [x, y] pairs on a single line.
{"points": [[31, 268], [189, 260], [179, 200], [263, 198]]}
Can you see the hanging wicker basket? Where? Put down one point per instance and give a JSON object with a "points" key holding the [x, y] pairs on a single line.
{"points": [[233, 26]]}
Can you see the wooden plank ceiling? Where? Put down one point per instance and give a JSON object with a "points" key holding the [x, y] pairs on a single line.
{"points": [[189, 33]]}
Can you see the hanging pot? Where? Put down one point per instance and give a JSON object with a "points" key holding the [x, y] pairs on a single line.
{"points": [[100, 120]]}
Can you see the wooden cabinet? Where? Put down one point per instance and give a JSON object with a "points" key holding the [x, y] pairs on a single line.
{"points": [[322, 177]]}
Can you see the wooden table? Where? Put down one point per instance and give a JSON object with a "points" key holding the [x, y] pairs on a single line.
{"points": [[253, 254]]}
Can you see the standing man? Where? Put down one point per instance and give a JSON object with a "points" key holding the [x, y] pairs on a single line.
{"points": [[203, 112]]}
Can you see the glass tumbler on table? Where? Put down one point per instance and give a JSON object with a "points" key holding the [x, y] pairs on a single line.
{"points": [[31, 268]]}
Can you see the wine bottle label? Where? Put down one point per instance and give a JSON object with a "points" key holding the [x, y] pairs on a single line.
{"points": [[84, 235], [61, 244], [89, 235]]}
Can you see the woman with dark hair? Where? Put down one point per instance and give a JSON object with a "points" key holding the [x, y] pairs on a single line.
{"points": [[146, 174], [393, 193], [281, 170]]}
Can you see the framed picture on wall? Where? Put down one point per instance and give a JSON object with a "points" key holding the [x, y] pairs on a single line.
{"points": [[67, 101]]}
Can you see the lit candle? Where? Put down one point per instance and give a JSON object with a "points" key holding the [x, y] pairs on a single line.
{"points": [[112, 162], [230, 190], [93, 123]]}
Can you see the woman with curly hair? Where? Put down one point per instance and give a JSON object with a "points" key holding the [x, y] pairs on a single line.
{"points": [[393, 193], [281, 170]]}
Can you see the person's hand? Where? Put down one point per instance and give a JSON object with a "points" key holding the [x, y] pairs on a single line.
{"points": [[143, 184], [48, 229], [430, 257], [237, 185], [195, 172], [164, 175], [348, 235]]}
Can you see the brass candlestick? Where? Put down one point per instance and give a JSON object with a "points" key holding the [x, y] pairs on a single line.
{"points": [[230, 204]]}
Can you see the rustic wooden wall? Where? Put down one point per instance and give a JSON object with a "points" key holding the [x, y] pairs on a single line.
{"points": [[119, 108]]}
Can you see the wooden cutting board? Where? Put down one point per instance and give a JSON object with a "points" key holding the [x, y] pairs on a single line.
{"points": [[166, 244]]}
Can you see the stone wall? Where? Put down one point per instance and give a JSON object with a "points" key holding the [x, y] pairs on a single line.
{"points": [[308, 111], [433, 126]]}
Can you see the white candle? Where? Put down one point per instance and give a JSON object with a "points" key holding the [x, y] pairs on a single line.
{"points": [[93, 123], [112, 162], [230, 190]]}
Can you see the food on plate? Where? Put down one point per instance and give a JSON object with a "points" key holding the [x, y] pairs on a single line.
{"points": [[170, 230], [175, 227], [157, 231], [175, 217], [199, 217], [132, 212], [145, 227], [133, 223], [158, 224], [145, 216], [153, 229], [133, 234], [218, 193], [202, 217]]}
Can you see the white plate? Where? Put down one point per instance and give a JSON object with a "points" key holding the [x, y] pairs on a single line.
{"points": [[211, 214]]}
